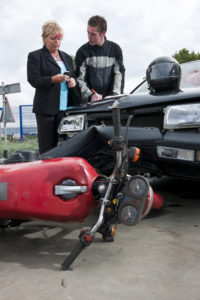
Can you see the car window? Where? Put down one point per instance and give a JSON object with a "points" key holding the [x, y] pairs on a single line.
{"points": [[190, 77]]}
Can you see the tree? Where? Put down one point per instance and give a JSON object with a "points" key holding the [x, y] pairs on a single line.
{"points": [[184, 55]]}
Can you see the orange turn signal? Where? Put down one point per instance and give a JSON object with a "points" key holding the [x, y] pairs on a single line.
{"points": [[113, 230], [137, 154], [134, 154]]}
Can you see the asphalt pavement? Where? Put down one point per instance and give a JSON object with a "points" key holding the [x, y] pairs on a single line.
{"points": [[156, 259]]}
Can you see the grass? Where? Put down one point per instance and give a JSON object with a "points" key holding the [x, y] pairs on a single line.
{"points": [[29, 143]]}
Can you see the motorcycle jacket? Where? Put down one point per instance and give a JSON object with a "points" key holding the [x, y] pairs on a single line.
{"points": [[100, 68]]}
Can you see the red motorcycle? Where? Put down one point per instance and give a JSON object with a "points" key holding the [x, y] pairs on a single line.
{"points": [[69, 189]]}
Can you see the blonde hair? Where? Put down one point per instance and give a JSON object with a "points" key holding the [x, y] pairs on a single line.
{"points": [[50, 27]]}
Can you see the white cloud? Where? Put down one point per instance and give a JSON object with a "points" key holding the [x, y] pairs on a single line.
{"points": [[144, 29]]}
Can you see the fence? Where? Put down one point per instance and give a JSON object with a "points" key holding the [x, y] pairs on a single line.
{"points": [[25, 122]]}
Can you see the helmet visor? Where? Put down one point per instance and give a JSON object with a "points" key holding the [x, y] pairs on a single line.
{"points": [[163, 71]]}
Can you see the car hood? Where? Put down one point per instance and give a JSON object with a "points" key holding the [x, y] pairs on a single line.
{"points": [[140, 100]]}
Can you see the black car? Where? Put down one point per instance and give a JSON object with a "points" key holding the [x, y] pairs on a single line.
{"points": [[165, 125]]}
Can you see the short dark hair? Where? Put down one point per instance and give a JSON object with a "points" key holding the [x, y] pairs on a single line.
{"points": [[99, 22]]}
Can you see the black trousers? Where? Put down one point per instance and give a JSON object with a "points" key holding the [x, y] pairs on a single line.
{"points": [[47, 126]]}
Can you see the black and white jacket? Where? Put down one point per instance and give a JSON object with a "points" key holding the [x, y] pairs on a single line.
{"points": [[100, 68]]}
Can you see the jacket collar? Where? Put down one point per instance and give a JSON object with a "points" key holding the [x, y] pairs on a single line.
{"points": [[51, 59], [48, 56], [97, 46]]}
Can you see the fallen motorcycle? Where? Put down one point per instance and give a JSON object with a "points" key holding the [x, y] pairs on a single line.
{"points": [[69, 189]]}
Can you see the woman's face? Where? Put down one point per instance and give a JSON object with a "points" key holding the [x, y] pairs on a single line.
{"points": [[53, 41]]}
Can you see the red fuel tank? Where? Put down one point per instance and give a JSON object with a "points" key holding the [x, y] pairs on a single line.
{"points": [[28, 190]]}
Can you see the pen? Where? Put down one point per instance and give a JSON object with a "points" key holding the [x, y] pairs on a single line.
{"points": [[94, 91]]}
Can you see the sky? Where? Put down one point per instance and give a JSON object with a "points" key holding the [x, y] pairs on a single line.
{"points": [[144, 29]]}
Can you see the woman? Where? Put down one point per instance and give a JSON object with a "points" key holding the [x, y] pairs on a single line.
{"points": [[54, 90]]}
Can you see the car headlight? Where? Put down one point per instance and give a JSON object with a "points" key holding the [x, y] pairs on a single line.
{"points": [[182, 116], [71, 123]]}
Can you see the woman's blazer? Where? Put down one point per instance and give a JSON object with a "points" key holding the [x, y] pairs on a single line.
{"points": [[41, 66]]}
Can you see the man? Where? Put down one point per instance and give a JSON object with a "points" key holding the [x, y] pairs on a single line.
{"points": [[99, 64]]}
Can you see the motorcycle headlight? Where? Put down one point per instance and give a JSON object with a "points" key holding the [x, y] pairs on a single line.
{"points": [[182, 116], [72, 123], [99, 187]]}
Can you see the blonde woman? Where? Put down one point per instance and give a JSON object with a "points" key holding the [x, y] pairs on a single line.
{"points": [[50, 72]]}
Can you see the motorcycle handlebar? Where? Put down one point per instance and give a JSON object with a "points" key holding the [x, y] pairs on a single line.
{"points": [[73, 255]]}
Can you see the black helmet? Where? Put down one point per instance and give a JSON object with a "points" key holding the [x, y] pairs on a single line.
{"points": [[163, 74]]}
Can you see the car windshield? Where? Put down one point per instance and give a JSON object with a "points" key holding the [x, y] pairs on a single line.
{"points": [[190, 77]]}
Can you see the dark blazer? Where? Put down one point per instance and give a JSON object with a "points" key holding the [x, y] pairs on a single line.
{"points": [[41, 66]]}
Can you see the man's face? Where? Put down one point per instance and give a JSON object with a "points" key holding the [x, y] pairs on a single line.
{"points": [[94, 37]]}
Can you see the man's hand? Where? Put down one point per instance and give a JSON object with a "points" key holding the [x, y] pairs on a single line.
{"points": [[96, 97]]}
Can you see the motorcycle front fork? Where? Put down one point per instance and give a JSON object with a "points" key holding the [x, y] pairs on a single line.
{"points": [[103, 226]]}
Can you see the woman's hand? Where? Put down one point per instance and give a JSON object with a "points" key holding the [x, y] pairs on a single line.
{"points": [[71, 82], [59, 78]]}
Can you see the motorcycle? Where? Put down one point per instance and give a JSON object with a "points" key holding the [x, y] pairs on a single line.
{"points": [[69, 189]]}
